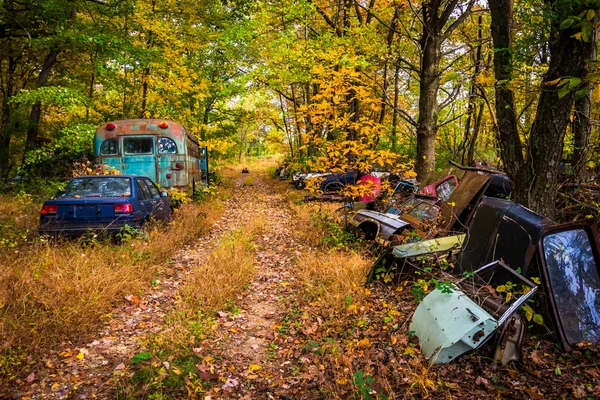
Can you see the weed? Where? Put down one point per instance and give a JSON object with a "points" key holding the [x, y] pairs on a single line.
{"points": [[249, 180], [179, 198]]}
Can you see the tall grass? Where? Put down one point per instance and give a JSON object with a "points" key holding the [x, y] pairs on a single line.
{"points": [[56, 291], [329, 277]]}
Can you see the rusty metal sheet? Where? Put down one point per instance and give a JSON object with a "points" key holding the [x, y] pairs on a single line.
{"points": [[458, 209]]}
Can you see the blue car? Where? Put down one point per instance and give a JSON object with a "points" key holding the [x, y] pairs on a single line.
{"points": [[105, 203]]}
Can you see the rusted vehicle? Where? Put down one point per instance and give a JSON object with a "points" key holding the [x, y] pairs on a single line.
{"points": [[442, 188], [564, 257], [415, 215], [422, 211], [162, 150]]}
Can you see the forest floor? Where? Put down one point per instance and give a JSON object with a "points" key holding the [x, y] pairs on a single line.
{"points": [[300, 324]]}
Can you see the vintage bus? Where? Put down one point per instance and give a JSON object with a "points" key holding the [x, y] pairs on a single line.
{"points": [[160, 149]]}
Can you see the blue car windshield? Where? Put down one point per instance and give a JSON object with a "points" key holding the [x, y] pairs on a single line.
{"points": [[98, 187]]}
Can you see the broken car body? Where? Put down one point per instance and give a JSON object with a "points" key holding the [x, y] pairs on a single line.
{"points": [[564, 257], [387, 228]]}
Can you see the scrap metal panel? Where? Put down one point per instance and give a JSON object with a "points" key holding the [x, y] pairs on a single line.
{"points": [[450, 324]]}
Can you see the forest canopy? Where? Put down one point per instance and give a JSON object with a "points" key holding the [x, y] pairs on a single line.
{"points": [[335, 85]]}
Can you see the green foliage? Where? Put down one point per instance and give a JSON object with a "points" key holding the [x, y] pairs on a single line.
{"points": [[51, 96], [204, 193], [179, 198], [272, 172], [364, 386], [71, 144], [141, 357]]}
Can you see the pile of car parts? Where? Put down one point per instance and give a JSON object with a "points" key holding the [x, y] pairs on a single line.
{"points": [[565, 259], [449, 323]]}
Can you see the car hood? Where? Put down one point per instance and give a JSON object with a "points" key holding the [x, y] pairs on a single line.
{"points": [[391, 220]]}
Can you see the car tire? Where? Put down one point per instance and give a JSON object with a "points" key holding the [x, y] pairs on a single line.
{"points": [[333, 187]]}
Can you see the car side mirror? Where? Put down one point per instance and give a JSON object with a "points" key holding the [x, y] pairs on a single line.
{"points": [[164, 194]]}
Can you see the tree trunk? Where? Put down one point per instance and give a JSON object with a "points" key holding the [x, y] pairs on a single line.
{"points": [[436, 13], [511, 150], [535, 180], [428, 107], [537, 183], [5, 119], [582, 126], [36, 110]]}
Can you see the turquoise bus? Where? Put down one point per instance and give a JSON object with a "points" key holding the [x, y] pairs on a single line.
{"points": [[160, 149]]}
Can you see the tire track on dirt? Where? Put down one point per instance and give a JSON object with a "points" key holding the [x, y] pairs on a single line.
{"points": [[244, 344]]}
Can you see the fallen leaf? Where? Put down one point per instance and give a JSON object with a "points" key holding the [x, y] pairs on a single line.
{"points": [[482, 381], [30, 377], [254, 367], [120, 367], [230, 383]]}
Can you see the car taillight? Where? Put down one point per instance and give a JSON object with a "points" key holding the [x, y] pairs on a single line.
{"points": [[124, 208], [49, 209]]}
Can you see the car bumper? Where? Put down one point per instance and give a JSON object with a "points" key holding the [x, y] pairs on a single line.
{"points": [[77, 229]]}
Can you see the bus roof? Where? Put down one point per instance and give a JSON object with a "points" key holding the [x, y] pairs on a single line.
{"points": [[143, 126]]}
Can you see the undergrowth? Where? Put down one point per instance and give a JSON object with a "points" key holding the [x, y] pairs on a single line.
{"points": [[53, 291]]}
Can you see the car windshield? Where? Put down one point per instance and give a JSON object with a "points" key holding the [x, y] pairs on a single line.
{"points": [[98, 187], [424, 211]]}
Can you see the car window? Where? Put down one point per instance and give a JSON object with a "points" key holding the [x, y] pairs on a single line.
{"points": [[166, 146], [98, 187], [424, 211], [143, 189], [445, 189], [575, 284], [153, 189], [110, 147], [138, 145]]}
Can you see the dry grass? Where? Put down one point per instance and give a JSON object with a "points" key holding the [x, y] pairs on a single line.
{"points": [[211, 286], [329, 276], [58, 291], [224, 273]]}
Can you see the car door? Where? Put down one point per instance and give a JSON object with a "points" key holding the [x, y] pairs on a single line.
{"points": [[159, 208], [145, 196]]}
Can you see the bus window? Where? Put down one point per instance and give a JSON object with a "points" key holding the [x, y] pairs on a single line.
{"points": [[109, 147], [138, 145], [166, 146]]}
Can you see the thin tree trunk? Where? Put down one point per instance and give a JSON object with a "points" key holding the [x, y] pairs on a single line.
{"points": [[36, 110], [395, 115], [582, 126], [476, 129], [511, 150], [469, 138]]}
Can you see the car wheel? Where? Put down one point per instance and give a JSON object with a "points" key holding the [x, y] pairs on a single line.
{"points": [[333, 187]]}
